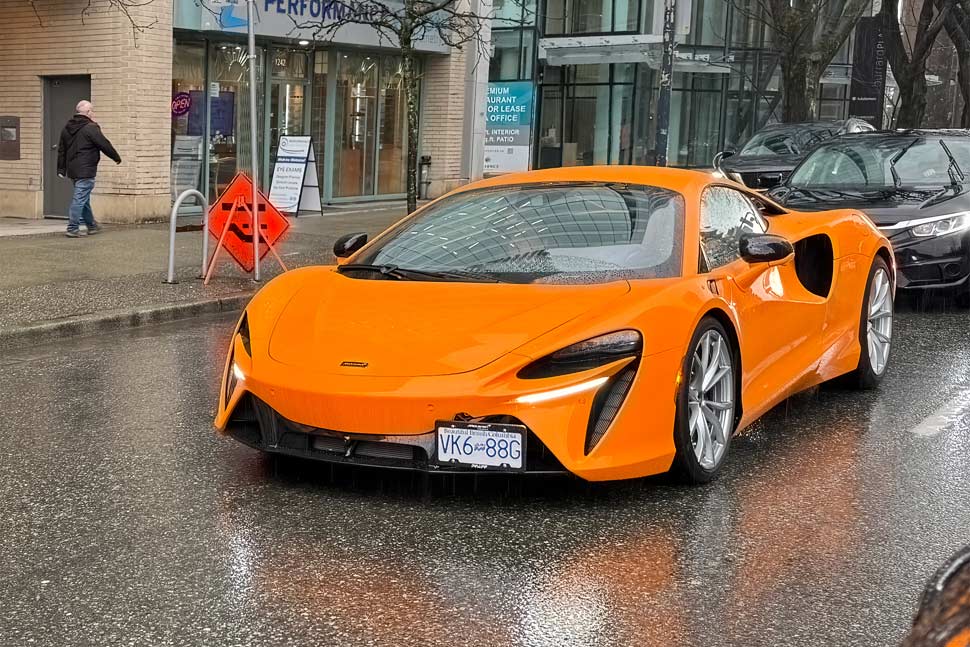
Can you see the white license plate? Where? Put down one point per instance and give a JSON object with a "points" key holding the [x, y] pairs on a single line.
{"points": [[485, 446]]}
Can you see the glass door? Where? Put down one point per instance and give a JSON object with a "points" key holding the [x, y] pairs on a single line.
{"points": [[287, 97], [355, 125]]}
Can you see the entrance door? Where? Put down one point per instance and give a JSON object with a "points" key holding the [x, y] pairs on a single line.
{"points": [[61, 95], [287, 100]]}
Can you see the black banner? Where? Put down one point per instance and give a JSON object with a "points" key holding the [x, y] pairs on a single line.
{"points": [[868, 87]]}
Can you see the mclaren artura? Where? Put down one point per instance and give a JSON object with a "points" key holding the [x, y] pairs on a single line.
{"points": [[611, 322]]}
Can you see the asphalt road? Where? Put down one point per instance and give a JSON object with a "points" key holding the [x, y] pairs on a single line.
{"points": [[124, 519]]}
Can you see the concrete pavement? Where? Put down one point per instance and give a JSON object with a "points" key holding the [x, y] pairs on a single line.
{"points": [[52, 286]]}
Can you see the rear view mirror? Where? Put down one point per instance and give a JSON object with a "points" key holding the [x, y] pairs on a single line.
{"points": [[348, 244], [765, 248]]}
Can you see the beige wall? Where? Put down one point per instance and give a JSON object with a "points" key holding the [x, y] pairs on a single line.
{"points": [[130, 85], [443, 122]]}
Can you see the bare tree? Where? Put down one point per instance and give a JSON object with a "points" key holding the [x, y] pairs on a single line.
{"points": [[807, 35], [126, 7], [404, 24], [957, 27], [907, 56]]}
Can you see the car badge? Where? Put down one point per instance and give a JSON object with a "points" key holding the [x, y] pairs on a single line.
{"points": [[354, 364]]}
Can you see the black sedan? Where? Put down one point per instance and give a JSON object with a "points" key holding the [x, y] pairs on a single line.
{"points": [[912, 184], [769, 156]]}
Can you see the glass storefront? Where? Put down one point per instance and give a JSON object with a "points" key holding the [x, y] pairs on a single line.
{"points": [[726, 82], [351, 103]]}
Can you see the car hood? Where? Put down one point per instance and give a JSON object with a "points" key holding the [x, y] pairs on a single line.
{"points": [[340, 325], [883, 211], [769, 163]]}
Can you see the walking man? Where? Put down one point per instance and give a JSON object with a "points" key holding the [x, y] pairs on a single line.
{"points": [[78, 154]]}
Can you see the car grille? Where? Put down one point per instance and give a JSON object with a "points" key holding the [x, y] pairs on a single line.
{"points": [[607, 404], [258, 425]]}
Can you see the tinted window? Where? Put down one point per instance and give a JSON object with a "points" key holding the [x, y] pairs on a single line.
{"points": [[786, 141], [861, 162], [550, 233], [726, 214]]}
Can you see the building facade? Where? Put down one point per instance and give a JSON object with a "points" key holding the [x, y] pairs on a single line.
{"points": [[170, 86], [594, 66]]}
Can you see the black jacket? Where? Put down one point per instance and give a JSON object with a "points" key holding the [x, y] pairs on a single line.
{"points": [[80, 148]]}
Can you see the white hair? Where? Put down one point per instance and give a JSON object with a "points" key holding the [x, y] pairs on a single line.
{"points": [[83, 107]]}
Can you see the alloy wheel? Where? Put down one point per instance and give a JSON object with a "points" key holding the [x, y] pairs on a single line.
{"points": [[880, 321], [710, 399]]}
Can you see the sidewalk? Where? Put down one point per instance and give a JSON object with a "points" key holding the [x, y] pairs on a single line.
{"points": [[52, 286]]}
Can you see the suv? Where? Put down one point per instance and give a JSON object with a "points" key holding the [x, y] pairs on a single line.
{"points": [[772, 153]]}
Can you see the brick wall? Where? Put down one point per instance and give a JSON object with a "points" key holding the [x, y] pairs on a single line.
{"points": [[130, 87], [443, 123]]}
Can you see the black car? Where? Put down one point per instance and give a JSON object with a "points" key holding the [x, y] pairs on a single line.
{"points": [[912, 184], [769, 156]]}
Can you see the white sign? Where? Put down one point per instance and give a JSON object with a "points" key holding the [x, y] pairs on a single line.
{"points": [[186, 163], [214, 89], [295, 176], [508, 126]]}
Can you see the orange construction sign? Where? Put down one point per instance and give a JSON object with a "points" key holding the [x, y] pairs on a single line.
{"points": [[230, 222]]}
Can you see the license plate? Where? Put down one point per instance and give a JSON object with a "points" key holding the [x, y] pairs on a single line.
{"points": [[484, 446]]}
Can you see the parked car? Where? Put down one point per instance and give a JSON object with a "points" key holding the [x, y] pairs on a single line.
{"points": [[767, 159], [914, 186], [609, 322]]}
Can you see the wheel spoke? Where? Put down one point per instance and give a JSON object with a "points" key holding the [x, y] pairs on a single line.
{"points": [[883, 339], [713, 377], [882, 314], [713, 425], [700, 428], [718, 406]]}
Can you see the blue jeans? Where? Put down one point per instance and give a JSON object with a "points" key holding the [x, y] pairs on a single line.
{"points": [[81, 205]]}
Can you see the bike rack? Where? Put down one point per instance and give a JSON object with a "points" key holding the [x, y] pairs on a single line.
{"points": [[171, 233]]}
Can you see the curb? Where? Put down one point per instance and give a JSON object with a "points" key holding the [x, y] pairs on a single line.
{"points": [[110, 320]]}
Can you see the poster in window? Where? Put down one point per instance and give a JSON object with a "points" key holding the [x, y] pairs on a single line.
{"points": [[508, 126]]}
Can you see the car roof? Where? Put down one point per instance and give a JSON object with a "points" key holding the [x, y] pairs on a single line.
{"points": [[679, 180], [910, 132]]}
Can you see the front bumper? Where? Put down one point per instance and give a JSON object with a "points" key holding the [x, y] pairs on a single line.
{"points": [[256, 424], [940, 262], [390, 421]]}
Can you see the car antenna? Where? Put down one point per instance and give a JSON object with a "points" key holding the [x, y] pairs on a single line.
{"points": [[953, 170]]}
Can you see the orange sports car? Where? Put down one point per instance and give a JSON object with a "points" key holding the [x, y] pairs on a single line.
{"points": [[611, 322]]}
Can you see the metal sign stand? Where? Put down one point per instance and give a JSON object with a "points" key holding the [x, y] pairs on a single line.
{"points": [[254, 156], [240, 203]]}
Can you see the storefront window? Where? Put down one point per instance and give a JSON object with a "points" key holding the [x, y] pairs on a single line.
{"points": [[188, 116], [591, 16], [229, 115], [588, 118], [355, 125], [393, 128]]}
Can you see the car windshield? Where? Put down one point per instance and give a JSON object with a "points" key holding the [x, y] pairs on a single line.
{"points": [[793, 140], [867, 162], [587, 233]]}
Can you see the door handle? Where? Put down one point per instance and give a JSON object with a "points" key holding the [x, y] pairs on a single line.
{"points": [[53, 147]]}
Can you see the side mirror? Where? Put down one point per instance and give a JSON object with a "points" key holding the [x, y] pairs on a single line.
{"points": [[348, 244], [765, 248], [721, 156]]}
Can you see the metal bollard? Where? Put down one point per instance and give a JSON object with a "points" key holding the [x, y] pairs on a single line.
{"points": [[171, 233]]}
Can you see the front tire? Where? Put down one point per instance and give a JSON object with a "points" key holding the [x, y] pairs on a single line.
{"points": [[706, 403], [875, 328]]}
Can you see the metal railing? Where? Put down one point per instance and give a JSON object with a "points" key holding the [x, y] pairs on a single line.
{"points": [[171, 234]]}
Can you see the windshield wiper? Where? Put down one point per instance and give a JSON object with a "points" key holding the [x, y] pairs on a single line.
{"points": [[892, 163], [953, 170], [407, 273]]}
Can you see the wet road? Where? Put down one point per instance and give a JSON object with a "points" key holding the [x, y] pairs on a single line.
{"points": [[125, 520]]}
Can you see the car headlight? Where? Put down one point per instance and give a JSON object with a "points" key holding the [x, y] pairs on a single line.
{"points": [[941, 226], [586, 354]]}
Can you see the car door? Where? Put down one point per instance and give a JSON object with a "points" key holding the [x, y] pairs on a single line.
{"points": [[780, 321]]}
